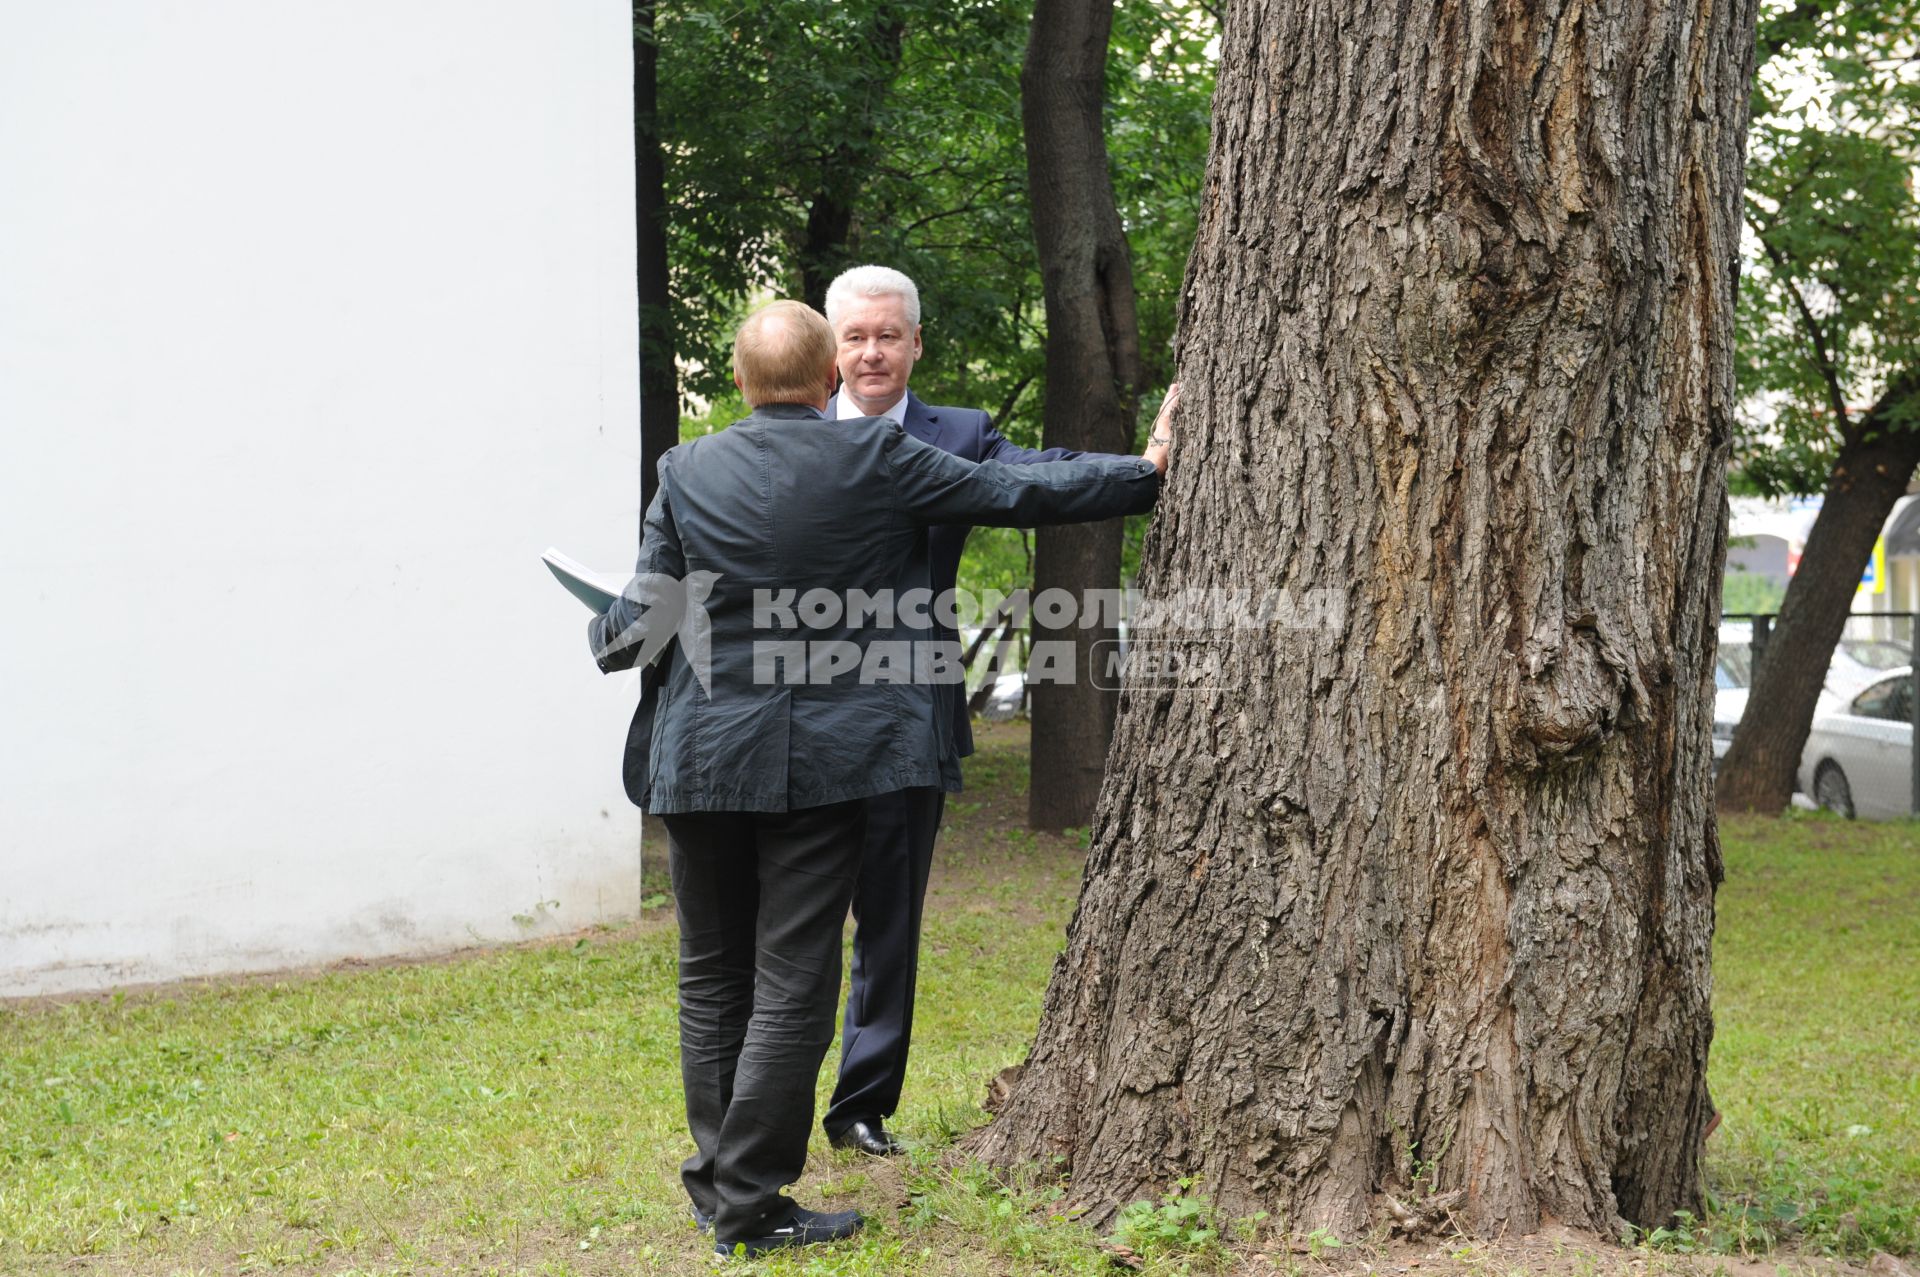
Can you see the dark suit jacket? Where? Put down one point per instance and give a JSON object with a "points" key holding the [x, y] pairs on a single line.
{"points": [[786, 502], [967, 433]]}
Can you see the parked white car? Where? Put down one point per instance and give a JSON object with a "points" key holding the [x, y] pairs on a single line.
{"points": [[1859, 759], [1729, 704], [1732, 674], [1856, 663], [1008, 695]]}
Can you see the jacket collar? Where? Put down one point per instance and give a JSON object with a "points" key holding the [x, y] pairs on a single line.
{"points": [[789, 411], [922, 422]]}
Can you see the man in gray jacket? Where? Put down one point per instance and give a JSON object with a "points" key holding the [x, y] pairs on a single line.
{"points": [[787, 554]]}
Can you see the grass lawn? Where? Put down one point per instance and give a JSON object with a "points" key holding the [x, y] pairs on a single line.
{"points": [[1816, 1051], [517, 1111]]}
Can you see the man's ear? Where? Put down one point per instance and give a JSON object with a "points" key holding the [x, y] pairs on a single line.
{"points": [[918, 348]]}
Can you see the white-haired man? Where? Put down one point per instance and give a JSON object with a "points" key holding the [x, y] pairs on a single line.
{"points": [[875, 314]]}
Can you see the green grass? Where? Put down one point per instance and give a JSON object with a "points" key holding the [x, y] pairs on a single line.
{"points": [[1816, 1052], [518, 1111]]}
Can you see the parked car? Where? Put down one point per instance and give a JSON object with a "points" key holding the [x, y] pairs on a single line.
{"points": [[1732, 672], [1856, 663], [1859, 760], [1008, 695]]}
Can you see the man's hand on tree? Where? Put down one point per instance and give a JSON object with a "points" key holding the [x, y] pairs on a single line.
{"points": [[1160, 438]]}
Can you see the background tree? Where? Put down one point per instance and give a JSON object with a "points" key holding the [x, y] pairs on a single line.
{"points": [[1160, 74], [772, 119], [659, 378], [1830, 335], [1420, 904], [1093, 376]]}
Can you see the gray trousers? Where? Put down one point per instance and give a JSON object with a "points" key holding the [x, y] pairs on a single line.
{"points": [[762, 898]]}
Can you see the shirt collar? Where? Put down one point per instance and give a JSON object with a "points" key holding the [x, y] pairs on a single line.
{"points": [[844, 407]]}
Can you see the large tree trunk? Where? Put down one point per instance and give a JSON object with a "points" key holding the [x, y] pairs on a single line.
{"points": [[1093, 375], [659, 379], [1420, 902], [1872, 472]]}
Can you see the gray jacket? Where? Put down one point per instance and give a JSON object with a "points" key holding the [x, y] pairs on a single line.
{"points": [[803, 708]]}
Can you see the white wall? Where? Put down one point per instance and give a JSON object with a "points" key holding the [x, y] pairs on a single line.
{"points": [[316, 327]]}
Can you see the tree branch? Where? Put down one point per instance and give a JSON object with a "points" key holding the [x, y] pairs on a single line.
{"points": [[1013, 397], [1823, 358], [943, 214]]}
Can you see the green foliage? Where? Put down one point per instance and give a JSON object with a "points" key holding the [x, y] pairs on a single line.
{"points": [[1181, 1223], [1159, 118], [997, 559], [1683, 1237], [1829, 309], [1008, 1215], [1749, 592], [720, 413], [908, 113], [765, 110]]}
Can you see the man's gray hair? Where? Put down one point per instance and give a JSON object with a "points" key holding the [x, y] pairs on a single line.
{"points": [[872, 281]]}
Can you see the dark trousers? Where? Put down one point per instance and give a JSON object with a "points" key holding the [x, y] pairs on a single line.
{"points": [[762, 898], [887, 905]]}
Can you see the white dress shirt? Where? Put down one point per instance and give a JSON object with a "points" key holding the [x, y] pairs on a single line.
{"points": [[843, 407]]}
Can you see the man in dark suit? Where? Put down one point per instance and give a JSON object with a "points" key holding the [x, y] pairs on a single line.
{"points": [[772, 726], [875, 313]]}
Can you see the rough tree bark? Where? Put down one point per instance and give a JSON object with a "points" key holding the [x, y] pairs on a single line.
{"points": [[1875, 465], [1093, 373], [1420, 903], [659, 378]]}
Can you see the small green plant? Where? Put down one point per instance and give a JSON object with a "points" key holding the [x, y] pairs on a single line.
{"points": [[1424, 1172], [1321, 1242], [1249, 1230], [1181, 1223], [1685, 1237], [1739, 1228], [1008, 1214]]}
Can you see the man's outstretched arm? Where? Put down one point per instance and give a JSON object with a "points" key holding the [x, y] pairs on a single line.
{"points": [[936, 487], [997, 447]]}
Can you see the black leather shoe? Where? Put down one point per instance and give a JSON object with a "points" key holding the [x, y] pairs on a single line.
{"points": [[870, 1138], [801, 1227], [702, 1220]]}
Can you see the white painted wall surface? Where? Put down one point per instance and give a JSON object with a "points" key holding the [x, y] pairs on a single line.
{"points": [[316, 327]]}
